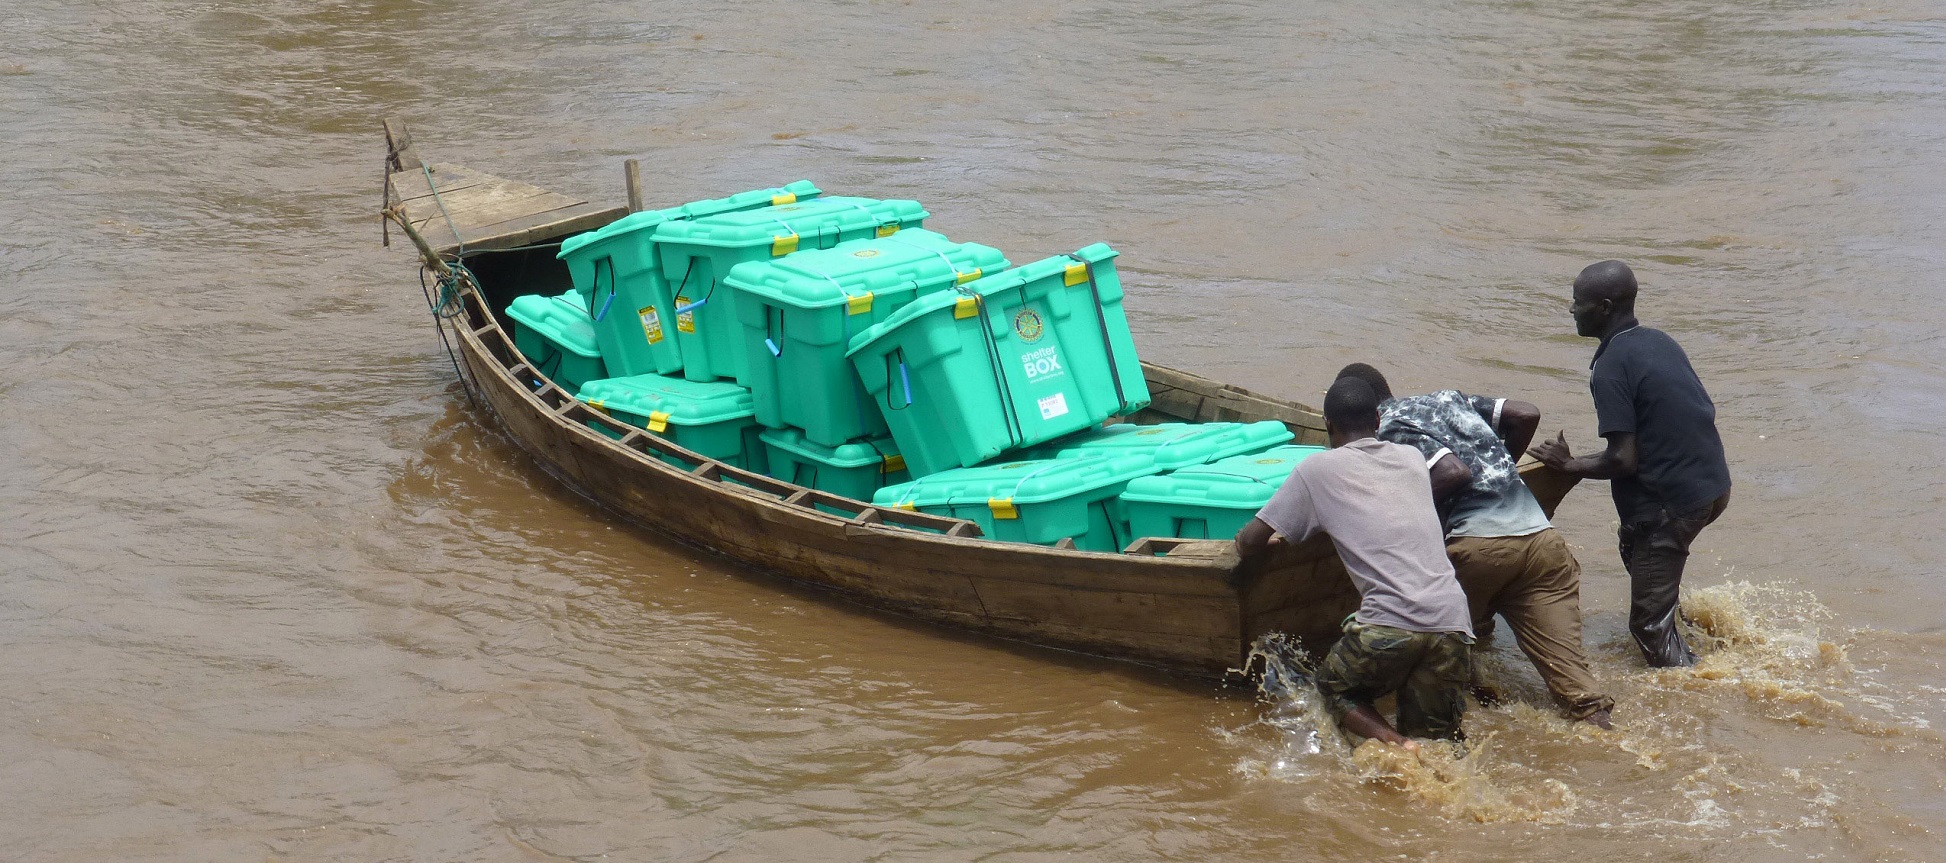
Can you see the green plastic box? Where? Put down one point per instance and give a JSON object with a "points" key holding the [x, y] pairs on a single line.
{"points": [[557, 338], [697, 254], [1171, 445], [799, 313], [1011, 360], [619, 279], [1211, 501], [1040, 501], [855, 470], [710, 418]]}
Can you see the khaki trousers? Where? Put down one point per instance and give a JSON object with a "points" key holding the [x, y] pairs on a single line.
{"points": [[1535, 583]]}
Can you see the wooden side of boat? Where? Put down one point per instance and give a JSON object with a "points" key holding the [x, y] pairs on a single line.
{"points": [[1182, 605]]}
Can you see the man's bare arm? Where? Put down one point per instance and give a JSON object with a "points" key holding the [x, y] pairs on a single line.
{"points": [[1254, 539], [1449, 475], [1618, 461], [1519, 421]]}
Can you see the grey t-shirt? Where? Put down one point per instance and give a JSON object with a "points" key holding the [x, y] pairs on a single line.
{"points": [[1496, 502], [1375, 500]]}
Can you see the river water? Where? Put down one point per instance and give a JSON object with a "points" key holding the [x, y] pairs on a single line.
{"points": [[271, 590]]}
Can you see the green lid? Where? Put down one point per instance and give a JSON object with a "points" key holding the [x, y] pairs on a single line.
{"points": [[801, 190], [994, 283], [1171, 445], [673, 400], [563, 320], [782, 227], [867, 453], [1023, 482], [913, 260], [1237, 482]]}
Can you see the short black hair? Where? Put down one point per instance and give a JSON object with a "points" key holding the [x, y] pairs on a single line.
{"points": [[1609, 280], [1369, 375], [1351, 405]]}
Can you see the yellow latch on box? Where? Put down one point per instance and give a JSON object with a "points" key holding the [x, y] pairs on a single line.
{"points": [[1003, 507], [894, 463], [781, 200], [1074, 275], [858, 305], [965, 307], [658, 421], [967, 277], [783, 245], [887, 230]]}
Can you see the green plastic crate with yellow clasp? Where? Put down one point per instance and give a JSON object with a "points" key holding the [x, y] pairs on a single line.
{"points": [[697, 254], [800, 311], [1210, 501], [710, 418], [557, 338], [620, 282], [855, 470], [1041, 501], [1009, 361]]}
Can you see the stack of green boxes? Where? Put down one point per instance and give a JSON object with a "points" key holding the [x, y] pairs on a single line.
{"points": [[834, 343], [1211, 501], [619, 276], [557, 338], [800, 312], [1009, 361], [697, 254]]}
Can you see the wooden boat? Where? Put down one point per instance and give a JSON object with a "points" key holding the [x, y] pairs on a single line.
{"points": [[1186, 606]]}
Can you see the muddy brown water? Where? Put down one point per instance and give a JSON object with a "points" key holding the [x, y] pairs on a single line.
{"points": [[271, 590]]}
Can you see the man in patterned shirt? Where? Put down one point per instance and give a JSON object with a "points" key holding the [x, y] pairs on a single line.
{"points": [[1509, 559]]}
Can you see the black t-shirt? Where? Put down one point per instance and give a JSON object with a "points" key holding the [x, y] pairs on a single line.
{"points": [[1643, 383]]}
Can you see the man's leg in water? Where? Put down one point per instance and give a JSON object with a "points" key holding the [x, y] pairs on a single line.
{"points": [[1433, 700], [1485, 567], [1366, 663], [1655, 553], [1543, 608]]}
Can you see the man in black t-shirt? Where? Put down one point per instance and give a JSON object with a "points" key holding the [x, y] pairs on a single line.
{"points": [[1664, 458]]}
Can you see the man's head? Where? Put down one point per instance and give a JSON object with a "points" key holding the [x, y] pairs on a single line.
{"points": [[1602, 293], [1370, 376], [1350, 411]]}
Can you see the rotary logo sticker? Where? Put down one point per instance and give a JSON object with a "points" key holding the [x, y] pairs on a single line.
{"points": [[1029, 325]]}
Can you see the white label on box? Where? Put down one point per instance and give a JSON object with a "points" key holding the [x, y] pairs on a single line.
{"points": [[1053, 406]]}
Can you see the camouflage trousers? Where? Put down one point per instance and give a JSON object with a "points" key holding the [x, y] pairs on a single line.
{"points": [[1428, 670]]}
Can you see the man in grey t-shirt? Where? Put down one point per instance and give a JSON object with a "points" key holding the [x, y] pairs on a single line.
{"points": [[1412, 631]]}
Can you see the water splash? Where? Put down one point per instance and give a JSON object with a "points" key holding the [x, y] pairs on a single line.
{"points": [[1462, 782]]}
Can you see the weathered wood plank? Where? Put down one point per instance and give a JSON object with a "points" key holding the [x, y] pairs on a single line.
{"points": [[409, 186], [490, 212]]}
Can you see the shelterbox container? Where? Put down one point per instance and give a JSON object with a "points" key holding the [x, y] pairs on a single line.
{"points": [[620, 281], [1012, 360], [697, 254], [1170, 445], [854, 470], [799, 313], [557, 338], [1039, 501], [1211, 501], [709, 418]]}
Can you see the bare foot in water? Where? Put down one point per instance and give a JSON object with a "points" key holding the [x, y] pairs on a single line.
{"points": [[1599, 719]]}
